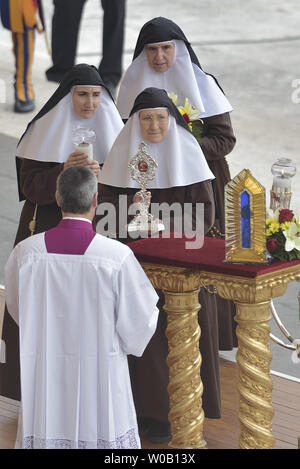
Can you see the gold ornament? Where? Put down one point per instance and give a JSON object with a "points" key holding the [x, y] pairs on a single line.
{"points": [[245, 237]]}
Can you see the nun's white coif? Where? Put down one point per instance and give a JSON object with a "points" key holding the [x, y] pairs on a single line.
{"points": [[179, 157], [184, 78], [49, 138]]}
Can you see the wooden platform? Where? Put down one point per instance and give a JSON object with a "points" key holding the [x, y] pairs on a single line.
{"points": [[220, 433], [224, 433]]}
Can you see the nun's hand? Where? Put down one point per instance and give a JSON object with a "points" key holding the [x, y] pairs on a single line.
{"points": [[94, 166], [78, 158], [75, 159]]}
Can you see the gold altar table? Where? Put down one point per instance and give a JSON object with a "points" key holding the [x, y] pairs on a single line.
{"points": [[251, 287]]}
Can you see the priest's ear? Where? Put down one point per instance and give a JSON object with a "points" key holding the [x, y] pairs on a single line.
{"points": [[95, 200], [56, 198]]}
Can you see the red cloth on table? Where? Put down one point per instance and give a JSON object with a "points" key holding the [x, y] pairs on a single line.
{"points": [[210, 258]]}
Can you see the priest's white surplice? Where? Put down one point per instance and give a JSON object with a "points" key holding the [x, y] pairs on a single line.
{"points": [[79, 318]]}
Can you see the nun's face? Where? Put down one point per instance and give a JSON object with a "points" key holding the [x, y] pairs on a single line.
{"points": [[154, 124], [160, 56], [85, 100]]}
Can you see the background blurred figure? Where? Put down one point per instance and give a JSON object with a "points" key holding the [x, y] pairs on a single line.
{"points": [[65, 29], [22, 18]]}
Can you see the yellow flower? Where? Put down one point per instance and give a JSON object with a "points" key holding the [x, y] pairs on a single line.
{"points": [[285, 226], [274, 227], [269, 221], [185, 116], [188, 111]]}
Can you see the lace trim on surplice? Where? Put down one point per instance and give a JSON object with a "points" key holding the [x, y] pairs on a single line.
{"points": [[130, 440]]}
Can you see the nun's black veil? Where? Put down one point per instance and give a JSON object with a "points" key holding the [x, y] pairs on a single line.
{"points": [[156, 98], [81, 74], [162, 29]]}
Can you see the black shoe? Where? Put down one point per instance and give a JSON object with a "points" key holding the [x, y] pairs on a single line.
{"points": [[159, 432], [24, 106], [55, 75]]}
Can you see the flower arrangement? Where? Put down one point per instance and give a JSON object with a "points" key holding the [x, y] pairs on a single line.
{"points": [[190, 115], [283, 235], [188, 112]]}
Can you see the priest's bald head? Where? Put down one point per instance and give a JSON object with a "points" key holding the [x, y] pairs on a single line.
{"points": [[76, 192]]}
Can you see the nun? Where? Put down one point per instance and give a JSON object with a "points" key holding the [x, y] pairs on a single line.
{"points": [[183, 176], [164, 58], [43, 152]]}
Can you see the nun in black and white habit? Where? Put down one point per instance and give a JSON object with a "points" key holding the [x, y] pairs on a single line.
{"points": [[44, 149], [42, 153], [185, 77], [182, 176]]}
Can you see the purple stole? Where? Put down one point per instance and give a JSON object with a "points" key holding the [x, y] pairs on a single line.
{"points": [[69, 237]]}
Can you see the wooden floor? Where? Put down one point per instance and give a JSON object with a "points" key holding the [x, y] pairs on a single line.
{"points": [[220, 433], [224, 433]]}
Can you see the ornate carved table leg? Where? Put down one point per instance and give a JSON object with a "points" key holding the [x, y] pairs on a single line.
{"points": [[184, 360], [181, 288], [252, 297], [255, 384]]}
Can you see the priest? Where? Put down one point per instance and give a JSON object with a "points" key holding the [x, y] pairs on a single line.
{"points": [[82, 303]]}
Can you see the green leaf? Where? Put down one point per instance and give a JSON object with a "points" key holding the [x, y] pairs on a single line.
{"points": [[197, 129]]}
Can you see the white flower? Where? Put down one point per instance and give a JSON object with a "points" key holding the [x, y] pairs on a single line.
{"points": [[292, 236], [191, 111]]}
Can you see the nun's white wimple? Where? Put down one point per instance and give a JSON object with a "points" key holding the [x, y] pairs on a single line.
{"points": [[49, 138], [179, 157], [183, 78]]}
